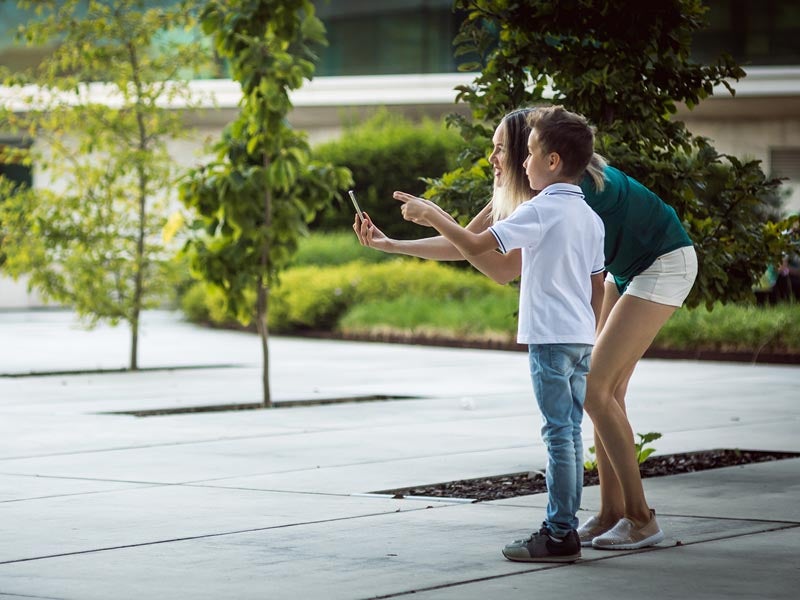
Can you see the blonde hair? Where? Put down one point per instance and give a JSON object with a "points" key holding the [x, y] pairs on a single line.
{"points": [[595, 170], [515, 189]]}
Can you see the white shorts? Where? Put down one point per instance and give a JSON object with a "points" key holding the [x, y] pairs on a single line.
{"points": [[668, 280]]}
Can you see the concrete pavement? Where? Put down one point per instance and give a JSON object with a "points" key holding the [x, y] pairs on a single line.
{"points": [[278, 504]]}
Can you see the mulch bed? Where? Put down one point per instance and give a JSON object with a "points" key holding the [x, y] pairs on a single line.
{"points": [[522, 484]]}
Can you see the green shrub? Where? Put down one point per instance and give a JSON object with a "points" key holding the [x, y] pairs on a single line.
{"points": [[205, 303], [384, 154], [193, 303], [733, 327], [335, 248], [410, 297], [317, 297]]}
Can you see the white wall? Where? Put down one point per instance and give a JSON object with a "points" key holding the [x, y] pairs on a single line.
{"points": [[753, 139], [15, 295]]}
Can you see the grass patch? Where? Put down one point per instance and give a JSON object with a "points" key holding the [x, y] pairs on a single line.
{"points": [[484, 317], [733, 327]]}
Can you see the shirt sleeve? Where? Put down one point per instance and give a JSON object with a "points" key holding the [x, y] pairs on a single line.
{"points": [[522, 229]]}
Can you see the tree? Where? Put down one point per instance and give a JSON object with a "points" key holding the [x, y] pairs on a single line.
{"points": [[256, 199], [625, 65], [93, 239]]}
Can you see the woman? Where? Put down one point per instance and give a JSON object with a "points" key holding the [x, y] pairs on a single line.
{"points": [[651, 268]]}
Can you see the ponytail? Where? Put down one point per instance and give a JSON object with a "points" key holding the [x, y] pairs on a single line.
{"points": [[595, 170]]}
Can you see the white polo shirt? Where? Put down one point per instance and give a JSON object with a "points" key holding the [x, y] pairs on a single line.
{"points": [[562, 246]]}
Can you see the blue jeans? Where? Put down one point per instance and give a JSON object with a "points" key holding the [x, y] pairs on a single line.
{"points": [[558, 372]]}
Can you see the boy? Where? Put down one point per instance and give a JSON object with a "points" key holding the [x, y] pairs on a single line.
{"points": [[561, 293]]}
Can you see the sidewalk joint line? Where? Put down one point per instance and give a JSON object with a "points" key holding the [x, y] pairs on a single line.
{"points": [[208, 536]]}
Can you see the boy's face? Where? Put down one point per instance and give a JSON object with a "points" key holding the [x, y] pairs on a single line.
{"points": [[542, 169]]}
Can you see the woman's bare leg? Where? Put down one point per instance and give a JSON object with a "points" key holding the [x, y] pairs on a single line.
{"points": [[612, 504], [630, 328]]}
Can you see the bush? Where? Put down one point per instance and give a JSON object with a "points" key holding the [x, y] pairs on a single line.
{"points": [[335, 248], [733, 327], [313, 297], [384, 154]]}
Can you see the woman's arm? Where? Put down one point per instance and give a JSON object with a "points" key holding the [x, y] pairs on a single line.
{"points": [[434, 248], [598, 293]]}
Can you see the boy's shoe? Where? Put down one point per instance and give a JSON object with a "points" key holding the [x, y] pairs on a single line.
{"points": [[590, 530], [626, 536], [542, 546]]}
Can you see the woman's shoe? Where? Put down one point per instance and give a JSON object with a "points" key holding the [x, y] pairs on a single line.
{"points": [[626, 536]]}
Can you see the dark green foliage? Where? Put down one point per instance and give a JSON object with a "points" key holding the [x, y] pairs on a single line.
{"points": [[626, 65], [384, 154]]}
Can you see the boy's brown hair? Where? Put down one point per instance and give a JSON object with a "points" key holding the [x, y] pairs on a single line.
{"points": [[566, 133]]}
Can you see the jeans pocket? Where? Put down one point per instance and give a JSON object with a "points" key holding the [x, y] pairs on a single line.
{"points": [[561, 361]]}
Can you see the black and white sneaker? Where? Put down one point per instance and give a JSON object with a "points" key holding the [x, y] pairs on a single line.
{"points": [[543, 546]]}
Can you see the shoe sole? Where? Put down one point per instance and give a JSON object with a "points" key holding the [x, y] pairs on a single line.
{"points": [[649, 541], [545, 559]]}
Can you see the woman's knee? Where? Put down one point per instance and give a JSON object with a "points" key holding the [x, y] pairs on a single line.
{"points": [[599, 394]]}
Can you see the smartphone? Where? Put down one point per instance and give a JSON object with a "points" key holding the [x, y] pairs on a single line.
{"points": [[355, 205]]}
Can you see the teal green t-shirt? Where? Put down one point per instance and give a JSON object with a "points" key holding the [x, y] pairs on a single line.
{"points": [[640, 226]]}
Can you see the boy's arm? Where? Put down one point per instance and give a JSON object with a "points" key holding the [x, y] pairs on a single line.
{"points": [[474, 243], [424, 212]]}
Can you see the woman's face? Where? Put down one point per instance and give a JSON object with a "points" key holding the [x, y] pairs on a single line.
{"points": [[498, 156]]}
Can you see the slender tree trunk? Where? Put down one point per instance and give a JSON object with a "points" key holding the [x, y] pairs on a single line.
{"points": [[262, 300], [261, 324], [138, 291], [139, 282]]}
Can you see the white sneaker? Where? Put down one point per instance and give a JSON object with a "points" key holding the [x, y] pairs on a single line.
{"points": [[626, 536], [590, 530]]}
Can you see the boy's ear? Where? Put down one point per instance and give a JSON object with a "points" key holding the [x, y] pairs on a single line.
{"points": [[553, 161]]}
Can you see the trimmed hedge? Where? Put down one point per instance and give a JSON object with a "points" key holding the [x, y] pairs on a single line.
{"points": [[318, 297], [333, 286], [314, 297], [387, 153], [733, 327]]}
